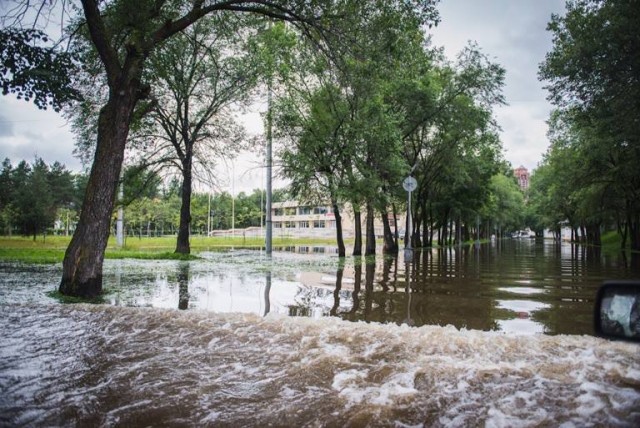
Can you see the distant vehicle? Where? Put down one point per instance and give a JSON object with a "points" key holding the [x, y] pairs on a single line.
{"points": [[527, 233], [617, 310]]}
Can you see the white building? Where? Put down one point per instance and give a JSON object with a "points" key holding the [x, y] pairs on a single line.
{"points": [[291, 218]]}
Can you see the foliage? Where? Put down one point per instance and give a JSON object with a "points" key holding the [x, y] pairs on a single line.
{"points": [[593, 73], [395, 108], [35, 72], [32, 196], [506, 205]]}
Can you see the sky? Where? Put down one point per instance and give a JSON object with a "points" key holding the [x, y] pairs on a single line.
{"points": [[511, 33]]}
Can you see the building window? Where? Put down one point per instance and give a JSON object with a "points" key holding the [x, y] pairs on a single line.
{"points": [[318, 224], [304, 210], [290, 211], [277, 212], [277, 225], [303, 224], [289, 224], [320, 210]]}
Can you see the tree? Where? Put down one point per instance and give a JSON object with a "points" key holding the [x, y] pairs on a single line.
{"points": [[449, 135], [593, 72], [197, 75], [125, 34], [505, 205], [33, 71], [32, 194], [341, 129], [6, 193], [313, 158]]}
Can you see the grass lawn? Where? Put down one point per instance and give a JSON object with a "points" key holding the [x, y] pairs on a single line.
{"points": [[50, 249]]}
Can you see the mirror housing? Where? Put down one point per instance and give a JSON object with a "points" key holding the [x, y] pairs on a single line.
{"points": [[617, 310]]}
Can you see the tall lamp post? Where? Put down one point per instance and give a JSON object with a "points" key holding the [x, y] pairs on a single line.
{"points": [[269, 224]]}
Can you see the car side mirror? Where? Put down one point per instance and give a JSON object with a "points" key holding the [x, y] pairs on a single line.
{"points": [[617, 310]]}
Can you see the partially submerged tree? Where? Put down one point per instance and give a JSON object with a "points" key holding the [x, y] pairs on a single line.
{"points": [[198, 76], [125, 34], [593, 75]]}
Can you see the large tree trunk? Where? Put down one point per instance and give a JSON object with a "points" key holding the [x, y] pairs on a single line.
{"points": [[390, 245], [339, 237], [357, 219], [182, 245], [370, 241], [82, 264]]}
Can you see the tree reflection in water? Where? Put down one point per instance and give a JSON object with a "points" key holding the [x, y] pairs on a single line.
{"points": [[183, 284], [336, 292]]}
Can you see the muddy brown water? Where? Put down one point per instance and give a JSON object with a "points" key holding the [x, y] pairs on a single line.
{"points": [[494, 336]]}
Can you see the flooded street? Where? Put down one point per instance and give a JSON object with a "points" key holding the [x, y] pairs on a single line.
{"points": [[111, 366], [266, 342]]}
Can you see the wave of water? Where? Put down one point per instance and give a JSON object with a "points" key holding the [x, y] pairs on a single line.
{"points": [[85, 365]]}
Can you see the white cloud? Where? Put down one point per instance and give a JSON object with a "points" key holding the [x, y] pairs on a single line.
{"points": [[41, 133], [513, 34]]}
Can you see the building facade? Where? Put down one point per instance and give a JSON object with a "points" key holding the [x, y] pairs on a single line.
{"points": [[291, 218], [522, 175]]}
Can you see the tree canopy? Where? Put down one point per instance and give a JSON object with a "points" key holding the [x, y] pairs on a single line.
{"points": [[593, 72]]}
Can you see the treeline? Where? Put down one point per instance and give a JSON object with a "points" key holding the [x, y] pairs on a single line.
{"points": [[589, 179], [397, 107], [155, 210], [38, 199], [33, 196]]}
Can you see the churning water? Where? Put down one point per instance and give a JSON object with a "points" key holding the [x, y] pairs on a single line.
{"points": [[138, 360]]}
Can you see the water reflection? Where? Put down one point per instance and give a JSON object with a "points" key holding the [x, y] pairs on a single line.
{"points": [[520, 286], [183, 284], [267, 290], [336, 291], [407, 292]]}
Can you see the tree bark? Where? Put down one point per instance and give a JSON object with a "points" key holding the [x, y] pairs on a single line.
{"points": [[182, 244], [370, 242], [82, 264], [357, 219], [339, 235], [390, 245]]}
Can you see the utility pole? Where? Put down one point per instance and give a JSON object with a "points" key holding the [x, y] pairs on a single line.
{"points": [[209, 216], [120, 221], [269, 231]]}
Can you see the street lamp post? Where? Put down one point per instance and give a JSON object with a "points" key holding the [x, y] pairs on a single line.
{"points": [[269, 161]]}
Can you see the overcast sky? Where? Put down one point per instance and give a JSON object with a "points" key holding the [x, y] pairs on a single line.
{"points": [[511, 32]]}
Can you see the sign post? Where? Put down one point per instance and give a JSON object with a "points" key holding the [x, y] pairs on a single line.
{"points": [[409, 184]]}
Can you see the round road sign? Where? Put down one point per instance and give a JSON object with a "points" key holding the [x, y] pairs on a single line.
{"points": [[409, 184]]}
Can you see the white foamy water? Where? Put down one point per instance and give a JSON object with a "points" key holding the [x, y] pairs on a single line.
{"points": [[82, 365]]}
